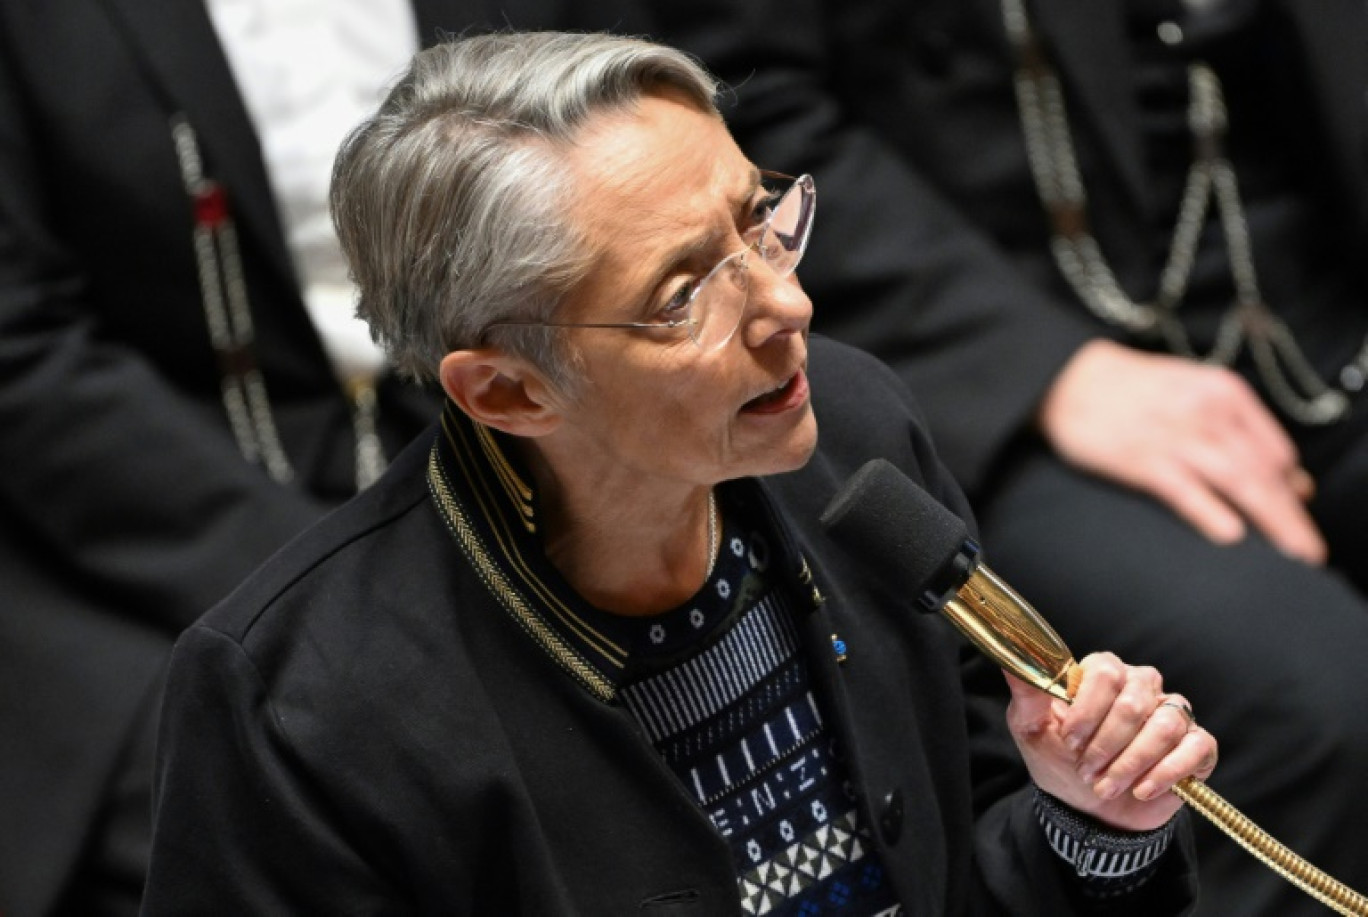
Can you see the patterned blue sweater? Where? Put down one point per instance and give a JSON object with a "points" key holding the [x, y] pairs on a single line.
{"points": [[723, 693]]}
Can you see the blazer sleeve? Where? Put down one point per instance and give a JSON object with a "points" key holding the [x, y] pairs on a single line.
{"points": [[240, 827], [131, 487], [893, 266]]}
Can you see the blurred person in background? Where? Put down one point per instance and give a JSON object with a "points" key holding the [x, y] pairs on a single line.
{"points": [[1117, 249], [183, 385]]}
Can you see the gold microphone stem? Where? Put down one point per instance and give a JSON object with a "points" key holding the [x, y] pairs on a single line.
{"points": [[1004, 626]]}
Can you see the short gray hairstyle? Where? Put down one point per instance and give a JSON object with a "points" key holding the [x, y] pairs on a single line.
{"points": [[450, 202]]}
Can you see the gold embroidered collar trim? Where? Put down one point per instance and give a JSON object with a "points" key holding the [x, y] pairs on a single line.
{"points": [[490, 508]]}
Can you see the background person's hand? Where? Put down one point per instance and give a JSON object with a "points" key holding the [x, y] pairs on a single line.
{"points": [[1195, 437], [1117, 750]]}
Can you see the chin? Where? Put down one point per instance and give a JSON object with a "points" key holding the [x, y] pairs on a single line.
{"points": [[794, 452]]}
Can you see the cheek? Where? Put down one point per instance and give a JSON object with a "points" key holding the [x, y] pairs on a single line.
{"points": [[688, 427], [667, 405], [646, 418], [684, 415]]}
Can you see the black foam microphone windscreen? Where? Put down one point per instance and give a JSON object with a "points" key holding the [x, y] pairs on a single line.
{"points": [[915, 546]]}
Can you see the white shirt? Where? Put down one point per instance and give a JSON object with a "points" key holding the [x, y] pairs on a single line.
{"points": [[309, 71]]}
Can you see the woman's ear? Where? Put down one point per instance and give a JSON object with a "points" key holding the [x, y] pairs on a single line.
{"points": [[500, 391]]}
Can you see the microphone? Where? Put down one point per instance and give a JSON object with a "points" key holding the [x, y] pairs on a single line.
{"points": [[917, 547]]}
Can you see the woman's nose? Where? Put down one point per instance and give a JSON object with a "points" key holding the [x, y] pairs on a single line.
{"points": [[778, 305]]}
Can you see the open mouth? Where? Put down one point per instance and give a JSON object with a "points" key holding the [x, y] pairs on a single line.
{"points": [[791, 394]]}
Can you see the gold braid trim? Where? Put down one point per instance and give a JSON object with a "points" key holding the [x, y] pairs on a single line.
{"points": [[613, 654], [498, 584]]}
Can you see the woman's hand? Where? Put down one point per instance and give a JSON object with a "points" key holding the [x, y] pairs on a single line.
{"points": [[1115, 753]]}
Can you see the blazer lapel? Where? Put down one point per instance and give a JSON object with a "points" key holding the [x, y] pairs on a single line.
{"points": [[176, 44], [1085, 39]]}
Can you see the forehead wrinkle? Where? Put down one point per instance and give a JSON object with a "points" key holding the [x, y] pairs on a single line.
{"points": [[695, 227], [621, 178], [636, 235]]}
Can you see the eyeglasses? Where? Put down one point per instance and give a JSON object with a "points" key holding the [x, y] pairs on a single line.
{"points": [[710, 309]]}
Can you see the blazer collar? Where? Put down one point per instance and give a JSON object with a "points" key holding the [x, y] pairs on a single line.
{"points": [[489, 503]]}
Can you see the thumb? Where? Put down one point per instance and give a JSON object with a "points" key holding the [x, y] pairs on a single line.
{"points": [[1031, 711]]}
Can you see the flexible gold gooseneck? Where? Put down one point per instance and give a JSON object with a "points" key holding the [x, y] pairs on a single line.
{"points": [[1005, 626]]}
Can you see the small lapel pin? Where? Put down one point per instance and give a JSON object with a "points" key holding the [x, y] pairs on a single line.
{"points": [[838, 646]]}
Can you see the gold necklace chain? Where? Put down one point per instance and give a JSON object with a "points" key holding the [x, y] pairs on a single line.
{"points": [[712, 535], [1292, 383]]}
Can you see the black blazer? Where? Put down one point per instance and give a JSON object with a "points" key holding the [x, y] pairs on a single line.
{"points": [[126, 508], [377, 723], [932, 248]]}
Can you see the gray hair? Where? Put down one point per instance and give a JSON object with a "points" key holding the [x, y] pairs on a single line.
{"points": [[450, 202]]}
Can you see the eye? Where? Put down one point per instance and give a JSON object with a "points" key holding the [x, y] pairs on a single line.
{"points": [[677, 304], [760, 213]]}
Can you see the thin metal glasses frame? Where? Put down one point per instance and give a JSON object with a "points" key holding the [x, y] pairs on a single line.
{"points": [[803, 185]]}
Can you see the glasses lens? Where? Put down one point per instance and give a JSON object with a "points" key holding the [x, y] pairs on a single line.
{"points": [[719, 302], [790, 225], [720, 298]]}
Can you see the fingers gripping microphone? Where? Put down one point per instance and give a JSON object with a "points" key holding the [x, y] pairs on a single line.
{"points": [[919, 548]]}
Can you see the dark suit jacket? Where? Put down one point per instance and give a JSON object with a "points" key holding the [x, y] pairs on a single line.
{"points": [[378, 723], [932, 249], [125, 507]]}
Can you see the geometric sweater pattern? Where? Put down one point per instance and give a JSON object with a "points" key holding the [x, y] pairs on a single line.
{"points": [[722, 691]]}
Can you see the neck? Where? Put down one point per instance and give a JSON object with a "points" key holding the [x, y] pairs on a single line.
{"points": [[628, 548]]}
